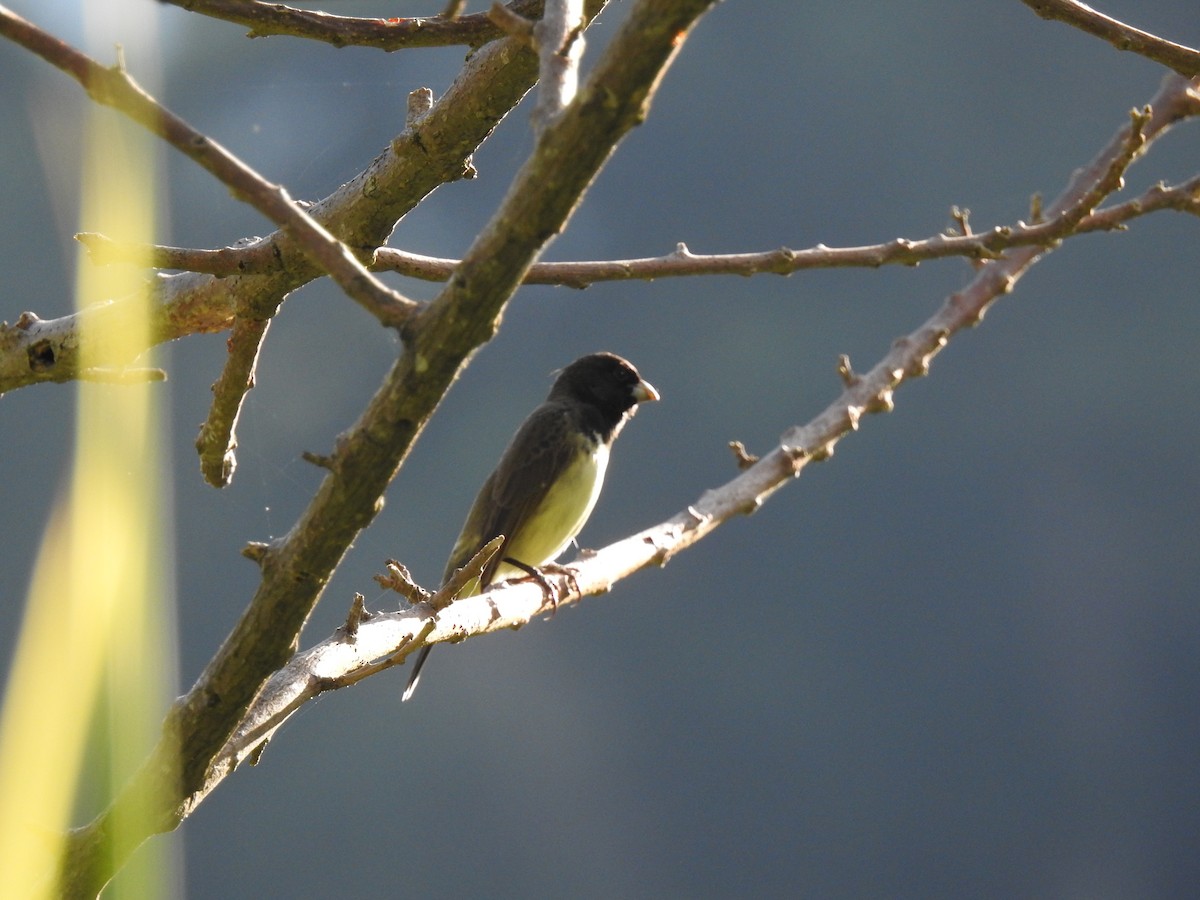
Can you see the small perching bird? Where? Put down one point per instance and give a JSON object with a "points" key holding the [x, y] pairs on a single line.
{"points": [[547, 482]]}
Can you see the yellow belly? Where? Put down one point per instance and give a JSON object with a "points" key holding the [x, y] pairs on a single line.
{"points": [[560, 517]]}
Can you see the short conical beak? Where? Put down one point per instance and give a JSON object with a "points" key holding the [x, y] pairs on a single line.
{"points": [[645, 391]]}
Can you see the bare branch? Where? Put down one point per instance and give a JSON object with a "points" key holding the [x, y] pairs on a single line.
{"points": [[559, 38], [392, 33], [473, 569], [104, 251], [114, 87], [366, 646], [983, 246], [217, 439], [362, 213], [511, 22], [580, 274], [1183, 60], [465, 315], [128, 375], [390, 637]]}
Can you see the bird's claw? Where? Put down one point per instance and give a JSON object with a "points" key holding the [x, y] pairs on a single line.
{"points": [[538, 575]]}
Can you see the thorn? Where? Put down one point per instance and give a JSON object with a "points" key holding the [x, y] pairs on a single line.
{"points": [[846, 372], [962, 218], [883, 403], [318, 460], [744, 459], [823, 452], [257, 752], [358, 612], [420, 102], [256, 551]]}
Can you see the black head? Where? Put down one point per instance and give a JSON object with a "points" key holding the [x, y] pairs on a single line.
{"points": [[606, 382]]}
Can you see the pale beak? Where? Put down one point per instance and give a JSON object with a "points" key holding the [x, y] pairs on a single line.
{"points": [[644, 391]]}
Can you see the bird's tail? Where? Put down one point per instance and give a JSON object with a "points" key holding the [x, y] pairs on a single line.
{"points": [[416, 673]]}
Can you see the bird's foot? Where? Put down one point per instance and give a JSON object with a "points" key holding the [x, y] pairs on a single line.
{"points": [[558, 569], [538, 574]]}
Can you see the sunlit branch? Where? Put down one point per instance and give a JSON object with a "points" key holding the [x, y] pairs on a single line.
{"points": [[1182, 59], [390, 33]]}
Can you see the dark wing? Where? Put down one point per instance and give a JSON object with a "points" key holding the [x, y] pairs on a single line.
{"points": [[540, 451]]}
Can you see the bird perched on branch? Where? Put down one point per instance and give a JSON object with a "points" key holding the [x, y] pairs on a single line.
{"points": [[547, 482]]}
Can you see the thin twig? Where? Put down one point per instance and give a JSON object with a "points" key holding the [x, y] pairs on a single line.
{"points": [[124, 375], [400, 580], [981, 246], [463, 576], [105, 251], [391, 33], [217, 441], [986, 245]]}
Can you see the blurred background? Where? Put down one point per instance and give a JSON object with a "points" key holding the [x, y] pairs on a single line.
{"points": [[962, 658]]}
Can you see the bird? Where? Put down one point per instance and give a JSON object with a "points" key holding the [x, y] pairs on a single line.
{"points": [[549, 477]]}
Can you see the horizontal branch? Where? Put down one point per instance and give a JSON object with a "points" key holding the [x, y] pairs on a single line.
{"points": [[785, 261], [391, 33], [682, 262], [1178, 57]]}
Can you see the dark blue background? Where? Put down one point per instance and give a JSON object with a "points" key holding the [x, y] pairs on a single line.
{"points": [[959, 659]]}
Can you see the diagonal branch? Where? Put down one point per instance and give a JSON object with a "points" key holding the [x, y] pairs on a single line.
{"points": [[114, 87], [1183, 60], [439, 340], [341, 660], [435, 148]]}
